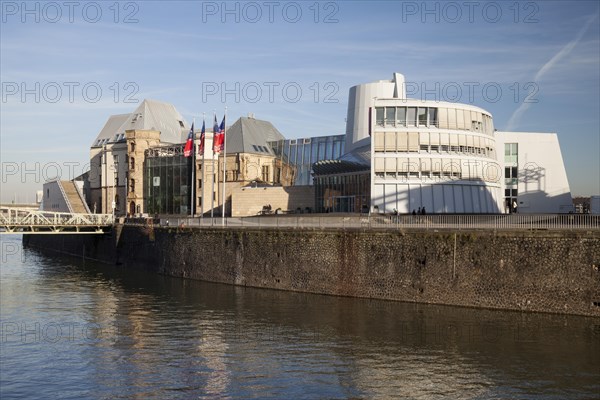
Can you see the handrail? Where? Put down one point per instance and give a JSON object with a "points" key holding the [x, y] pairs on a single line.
{"points": [[21, 217], [521, 222]]}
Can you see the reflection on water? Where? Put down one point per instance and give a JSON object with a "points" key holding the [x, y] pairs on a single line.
{"points": [[78, 329]]}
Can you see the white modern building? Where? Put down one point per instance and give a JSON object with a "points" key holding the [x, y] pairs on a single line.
{"points": [[442, 157], [535, 179], [426, 154]]}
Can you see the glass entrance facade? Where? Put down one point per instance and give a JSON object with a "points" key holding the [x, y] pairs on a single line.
{"points": [[343, 192], [167, 176]]}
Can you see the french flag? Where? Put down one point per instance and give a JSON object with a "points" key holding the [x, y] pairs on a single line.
{"points": [[219, 137], [189, 145]]}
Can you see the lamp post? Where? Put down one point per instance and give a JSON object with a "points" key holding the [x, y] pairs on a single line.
{"points": [[115, 183]]}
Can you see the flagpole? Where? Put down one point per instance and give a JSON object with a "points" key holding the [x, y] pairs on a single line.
{"points": [[224, 165], [203, 166], [212, 178], [193, 169]]}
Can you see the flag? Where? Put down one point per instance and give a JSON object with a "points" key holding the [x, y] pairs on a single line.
{"points": [[189, 145], [202, 135], [219, 137]]}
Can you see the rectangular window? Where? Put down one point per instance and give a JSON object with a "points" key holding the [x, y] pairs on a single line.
{"points": [[411, 117], [401, 116], [514, 192], [422, 116], [265, 173], [379, 117], [433, 120], [390, 116]]}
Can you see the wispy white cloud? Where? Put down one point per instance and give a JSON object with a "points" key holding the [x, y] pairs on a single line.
{"points": [[562, 53]]}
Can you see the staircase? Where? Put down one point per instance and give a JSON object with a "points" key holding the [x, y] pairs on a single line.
{"points": [[74, 198]]}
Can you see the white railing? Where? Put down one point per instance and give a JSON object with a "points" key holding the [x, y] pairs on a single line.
{"points": [[433, 222], [18, 220]]}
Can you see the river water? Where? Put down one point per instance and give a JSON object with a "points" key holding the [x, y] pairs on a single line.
{"points": [[79, 329]]}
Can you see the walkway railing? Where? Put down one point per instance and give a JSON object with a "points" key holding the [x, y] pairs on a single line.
{"points": [[14, 220], [451, 222]]}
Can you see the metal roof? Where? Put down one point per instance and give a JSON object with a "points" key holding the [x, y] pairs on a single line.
{"points": [[250, 135], [149, 115], [332, 167], [110, 129]]}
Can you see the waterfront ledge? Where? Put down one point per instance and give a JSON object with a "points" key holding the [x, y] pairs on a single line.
{"points": [[541, 271]]}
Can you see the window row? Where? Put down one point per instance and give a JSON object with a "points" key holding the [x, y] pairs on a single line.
{"points": [[433, 142], [116, 138], [443, 118], [261, 149], [391, 167]]}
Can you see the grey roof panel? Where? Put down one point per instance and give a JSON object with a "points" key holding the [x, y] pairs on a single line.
{"points": [[149, 115], [159, 116], [250, 135], [110, 129]]}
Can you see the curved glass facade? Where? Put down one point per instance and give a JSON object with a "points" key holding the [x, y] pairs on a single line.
{"points": [[303, 153]]}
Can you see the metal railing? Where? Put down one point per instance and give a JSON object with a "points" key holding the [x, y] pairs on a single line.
{"points": [[380, 221], [13, 220]]}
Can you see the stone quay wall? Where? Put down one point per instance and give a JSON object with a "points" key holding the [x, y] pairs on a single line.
{"points": [[542, 271]]}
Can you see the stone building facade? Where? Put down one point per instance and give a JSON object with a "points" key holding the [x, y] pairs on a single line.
{"points": [[137, 144]]}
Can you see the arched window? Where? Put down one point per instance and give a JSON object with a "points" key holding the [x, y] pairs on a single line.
{"points": [[132, 147], [132, 163]]}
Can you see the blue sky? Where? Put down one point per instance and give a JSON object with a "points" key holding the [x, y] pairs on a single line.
{"points": [[543, 56]]}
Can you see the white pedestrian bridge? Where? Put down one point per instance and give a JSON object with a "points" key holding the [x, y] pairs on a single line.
{"points": [[27, 221]]}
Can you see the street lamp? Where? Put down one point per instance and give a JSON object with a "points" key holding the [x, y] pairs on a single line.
{"points": [[115, 183]]}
